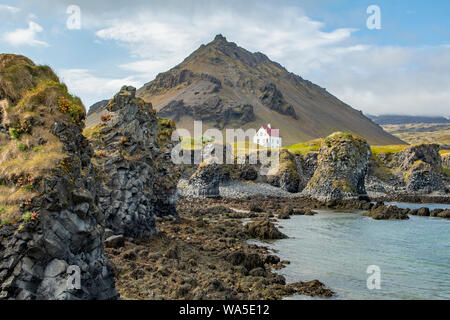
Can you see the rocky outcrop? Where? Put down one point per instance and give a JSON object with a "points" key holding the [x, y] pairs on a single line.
{"points": [[423, 178], [167, 174], [127, 154], [264, 230], [446, 160], [288, 175], [309, 165], [427, 153], [272, 98], [387, 213], [51, 248], [342, 167], [206, 179], [213, 109]]}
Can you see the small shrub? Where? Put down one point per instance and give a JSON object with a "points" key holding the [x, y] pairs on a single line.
{"points": [[14, 133], [27, 216], [75, 111], [22, 147]]}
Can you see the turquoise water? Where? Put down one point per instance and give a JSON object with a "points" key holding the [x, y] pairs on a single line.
{"points": [[336, 248]]}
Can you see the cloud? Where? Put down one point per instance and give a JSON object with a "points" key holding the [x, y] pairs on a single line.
{"points": [[9, 9], [92, 88], [374, 79], [25, 37], [159, 34], [388, 79]]}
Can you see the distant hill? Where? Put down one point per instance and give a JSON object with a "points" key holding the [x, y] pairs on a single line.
{"points": [[401, 119], [96, 107], [227, 86]]}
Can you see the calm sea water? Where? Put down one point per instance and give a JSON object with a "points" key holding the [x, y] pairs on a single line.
{"points": [[337, 248]]}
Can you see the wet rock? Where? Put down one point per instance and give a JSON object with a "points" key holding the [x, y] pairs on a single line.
{"points": [[257, 272], [264, 230], [436, 212], [444, 214], [387, 213], [248, 260]]}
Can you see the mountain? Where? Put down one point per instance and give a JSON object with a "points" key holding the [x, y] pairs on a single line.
{"points": [[402, 119], [227, 86]]}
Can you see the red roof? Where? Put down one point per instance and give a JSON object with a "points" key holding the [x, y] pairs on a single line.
{"points": [[272, 132]]}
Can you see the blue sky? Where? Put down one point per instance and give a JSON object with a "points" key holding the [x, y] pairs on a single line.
{"points": [[402, 68]]}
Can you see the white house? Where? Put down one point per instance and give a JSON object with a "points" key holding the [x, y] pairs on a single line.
{"points": [[268, 137]]}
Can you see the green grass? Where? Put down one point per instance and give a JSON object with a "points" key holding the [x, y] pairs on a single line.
{"points": [[388, 149], [305, 147], [446, 171]]}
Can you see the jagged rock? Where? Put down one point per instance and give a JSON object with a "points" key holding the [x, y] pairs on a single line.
{"points": [[167, 174], [63, 236], [387, 213], [427, 153], [423, 177], [133, 155], [309, 165], [423, 167], [206, 180], [287, 175], [272, 98], [127, 146], [342, 167], [446, 160]]}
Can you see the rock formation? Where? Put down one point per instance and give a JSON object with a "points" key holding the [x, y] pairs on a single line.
{"points": [[387, 213], [137, 179], [288, 175], [206, 179], [342, 167], [51, 227]]}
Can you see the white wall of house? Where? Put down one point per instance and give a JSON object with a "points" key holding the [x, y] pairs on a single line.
{"points": [[263, 139]]}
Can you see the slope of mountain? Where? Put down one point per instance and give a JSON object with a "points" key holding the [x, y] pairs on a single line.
{"points": [[227, 86]]}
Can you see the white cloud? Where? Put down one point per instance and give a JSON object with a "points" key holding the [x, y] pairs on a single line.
{"points": [[91, 88], [25, 37], [9, 9], [375, 79]]}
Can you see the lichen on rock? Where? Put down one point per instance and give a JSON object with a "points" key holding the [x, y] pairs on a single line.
{"points": [[342, 167]]}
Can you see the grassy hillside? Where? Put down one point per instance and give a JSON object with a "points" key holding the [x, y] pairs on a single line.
{"points": [[31, 100]]}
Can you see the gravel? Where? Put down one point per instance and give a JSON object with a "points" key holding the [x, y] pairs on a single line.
{"points": [[234, 190]]}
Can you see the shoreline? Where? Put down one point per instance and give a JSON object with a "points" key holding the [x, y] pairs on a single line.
{"points": [[242, 190], [207, 252]]}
